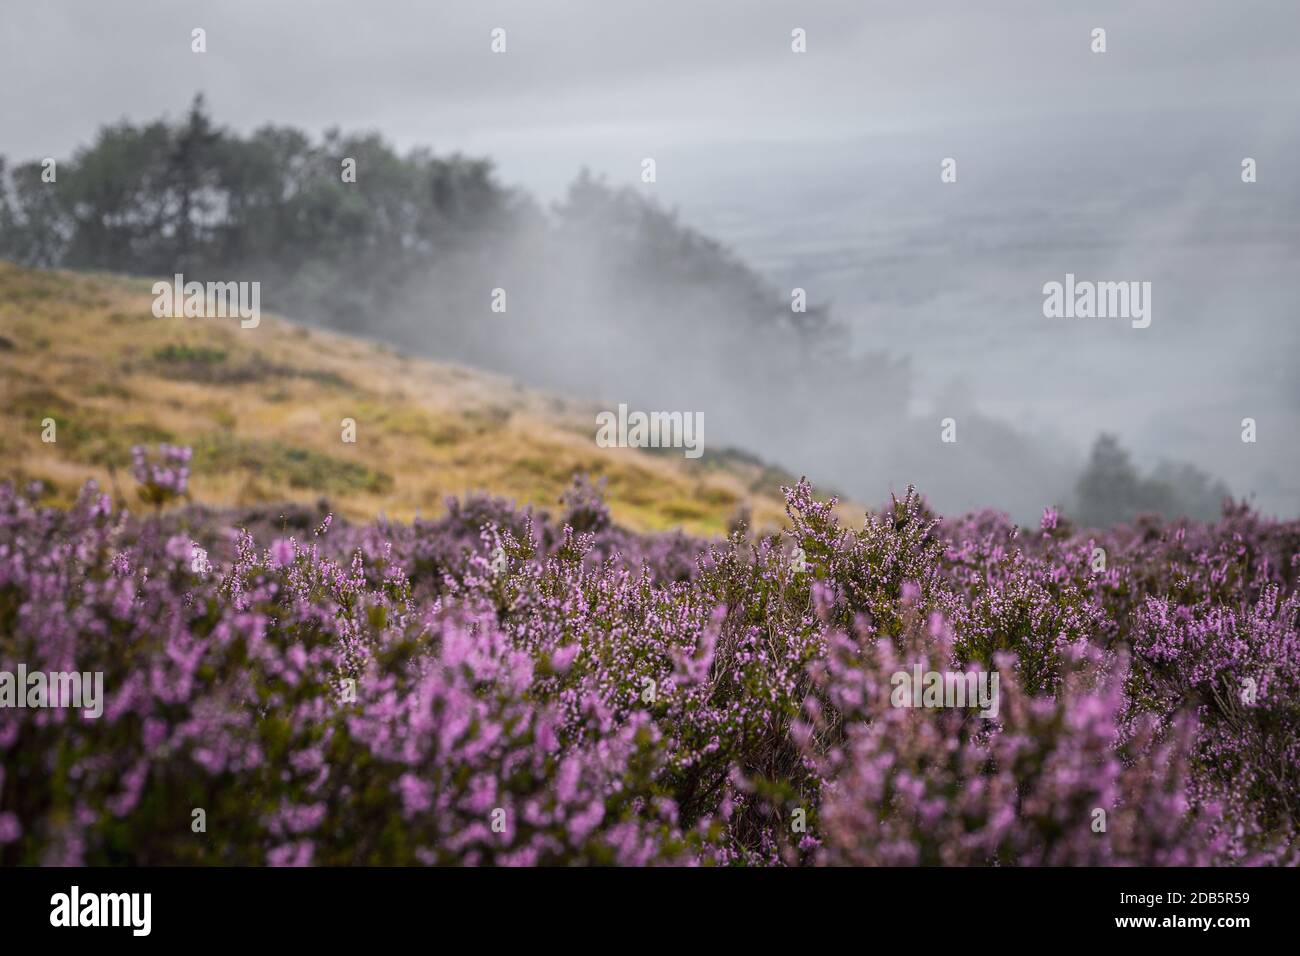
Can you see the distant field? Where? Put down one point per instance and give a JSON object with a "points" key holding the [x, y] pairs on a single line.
{"points": [[262, 409]]}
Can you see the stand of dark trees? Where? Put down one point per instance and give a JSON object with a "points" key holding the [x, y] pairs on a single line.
{"points": [[1111, 489]]}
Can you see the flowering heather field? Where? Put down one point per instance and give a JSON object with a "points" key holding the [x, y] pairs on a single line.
{"points": [[505, 687]]}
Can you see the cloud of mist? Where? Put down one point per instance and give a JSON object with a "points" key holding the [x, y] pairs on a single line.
{"points": [[610, 299]]}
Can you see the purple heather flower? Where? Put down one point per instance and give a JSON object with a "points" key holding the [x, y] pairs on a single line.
{"points": [[637, 699], [1050, 517], [282, 552]]}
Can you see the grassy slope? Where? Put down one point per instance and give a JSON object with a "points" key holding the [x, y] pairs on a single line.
{"points": [[262, 408]]}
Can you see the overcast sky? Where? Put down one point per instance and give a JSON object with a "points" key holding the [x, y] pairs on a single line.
{"points": [[583, 78], [822, 168]]}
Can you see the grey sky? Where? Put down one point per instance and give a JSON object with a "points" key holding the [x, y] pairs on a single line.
{"points": [[822, 169], [587, 76]]}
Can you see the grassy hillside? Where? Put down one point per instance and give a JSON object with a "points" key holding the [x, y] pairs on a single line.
{"points": [[263, 407]]}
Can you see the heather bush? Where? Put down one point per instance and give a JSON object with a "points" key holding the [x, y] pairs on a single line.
{"points": [[163, 479], [1239, 670], [945, 786], [500, 686]]}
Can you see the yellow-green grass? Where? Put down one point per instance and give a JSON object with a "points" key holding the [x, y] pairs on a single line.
{"points": [[263, 409]]}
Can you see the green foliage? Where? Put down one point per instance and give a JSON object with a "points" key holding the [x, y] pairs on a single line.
{"points": [[189, 354], [194, 198], [300, 468]]}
